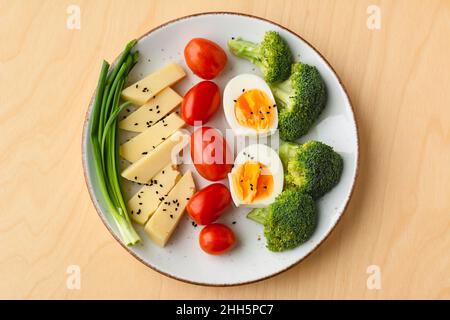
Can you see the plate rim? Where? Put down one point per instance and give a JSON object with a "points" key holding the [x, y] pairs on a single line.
{"points": [[116, 237]]}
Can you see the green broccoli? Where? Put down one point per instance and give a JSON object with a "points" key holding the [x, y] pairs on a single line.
{"points": [[272, 55], [300, 100], [313, 167], [289, 221]]}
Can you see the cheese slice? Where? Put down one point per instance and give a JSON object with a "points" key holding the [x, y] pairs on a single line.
{"points": [[148, 140], [149, 165], [151, 112], [166, 218], [144, 203], [140, 92]]}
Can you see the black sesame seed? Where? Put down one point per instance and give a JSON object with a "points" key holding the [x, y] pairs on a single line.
{"points": [[140, 203], [234, 222], [144, 153], [135, 178], [138, 212], [137, 86], [161, 185], [136, 124], [150, 109], [156, 192], [171, 216], [157, 111], [164, 209], [163, 172], [139, 196]]}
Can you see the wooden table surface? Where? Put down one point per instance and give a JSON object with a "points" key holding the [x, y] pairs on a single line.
{"points": [[398, 78]]}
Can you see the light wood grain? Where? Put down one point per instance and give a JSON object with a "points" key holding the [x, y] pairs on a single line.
{"points": [[397, 77]]}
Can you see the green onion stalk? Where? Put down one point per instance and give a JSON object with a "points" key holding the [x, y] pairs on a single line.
{"points": [[104, 142]]}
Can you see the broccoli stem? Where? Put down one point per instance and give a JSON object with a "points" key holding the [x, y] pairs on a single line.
{"points": [[258, 215], [245, 49], [287, 151], [283, 92]]}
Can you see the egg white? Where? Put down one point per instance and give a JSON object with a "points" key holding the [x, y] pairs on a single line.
{"points": [[233, 90], [268, 157]]}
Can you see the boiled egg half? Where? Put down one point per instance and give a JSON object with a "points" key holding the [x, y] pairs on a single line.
{"points": [[249, 106], [257, 176]]}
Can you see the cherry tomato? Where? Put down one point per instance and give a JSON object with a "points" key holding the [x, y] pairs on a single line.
{"points": [[207, 204], [210, 154], [216, 239], [200, 102], [205, 58]]}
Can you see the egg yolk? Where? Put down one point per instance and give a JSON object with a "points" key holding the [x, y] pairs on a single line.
{"points": [[252, 181], [254, 109]]}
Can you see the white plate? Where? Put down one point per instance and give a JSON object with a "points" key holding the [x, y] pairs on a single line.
{"points": [[250, 261]]}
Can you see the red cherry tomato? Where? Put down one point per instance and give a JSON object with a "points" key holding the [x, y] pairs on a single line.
{"points": [[216, 239], [205, 58], [210, 154], [200, 102], [207, 204]]}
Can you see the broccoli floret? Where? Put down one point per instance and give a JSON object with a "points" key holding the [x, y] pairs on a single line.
{"points": [[289, 221], [314, 167], [272, 56], [300, 100]]}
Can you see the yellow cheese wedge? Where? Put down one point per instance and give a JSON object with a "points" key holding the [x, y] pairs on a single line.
{"points": [[140, 92], [151, 112], [166, 218], [148, 140], [146, 167], [144, 203]]}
